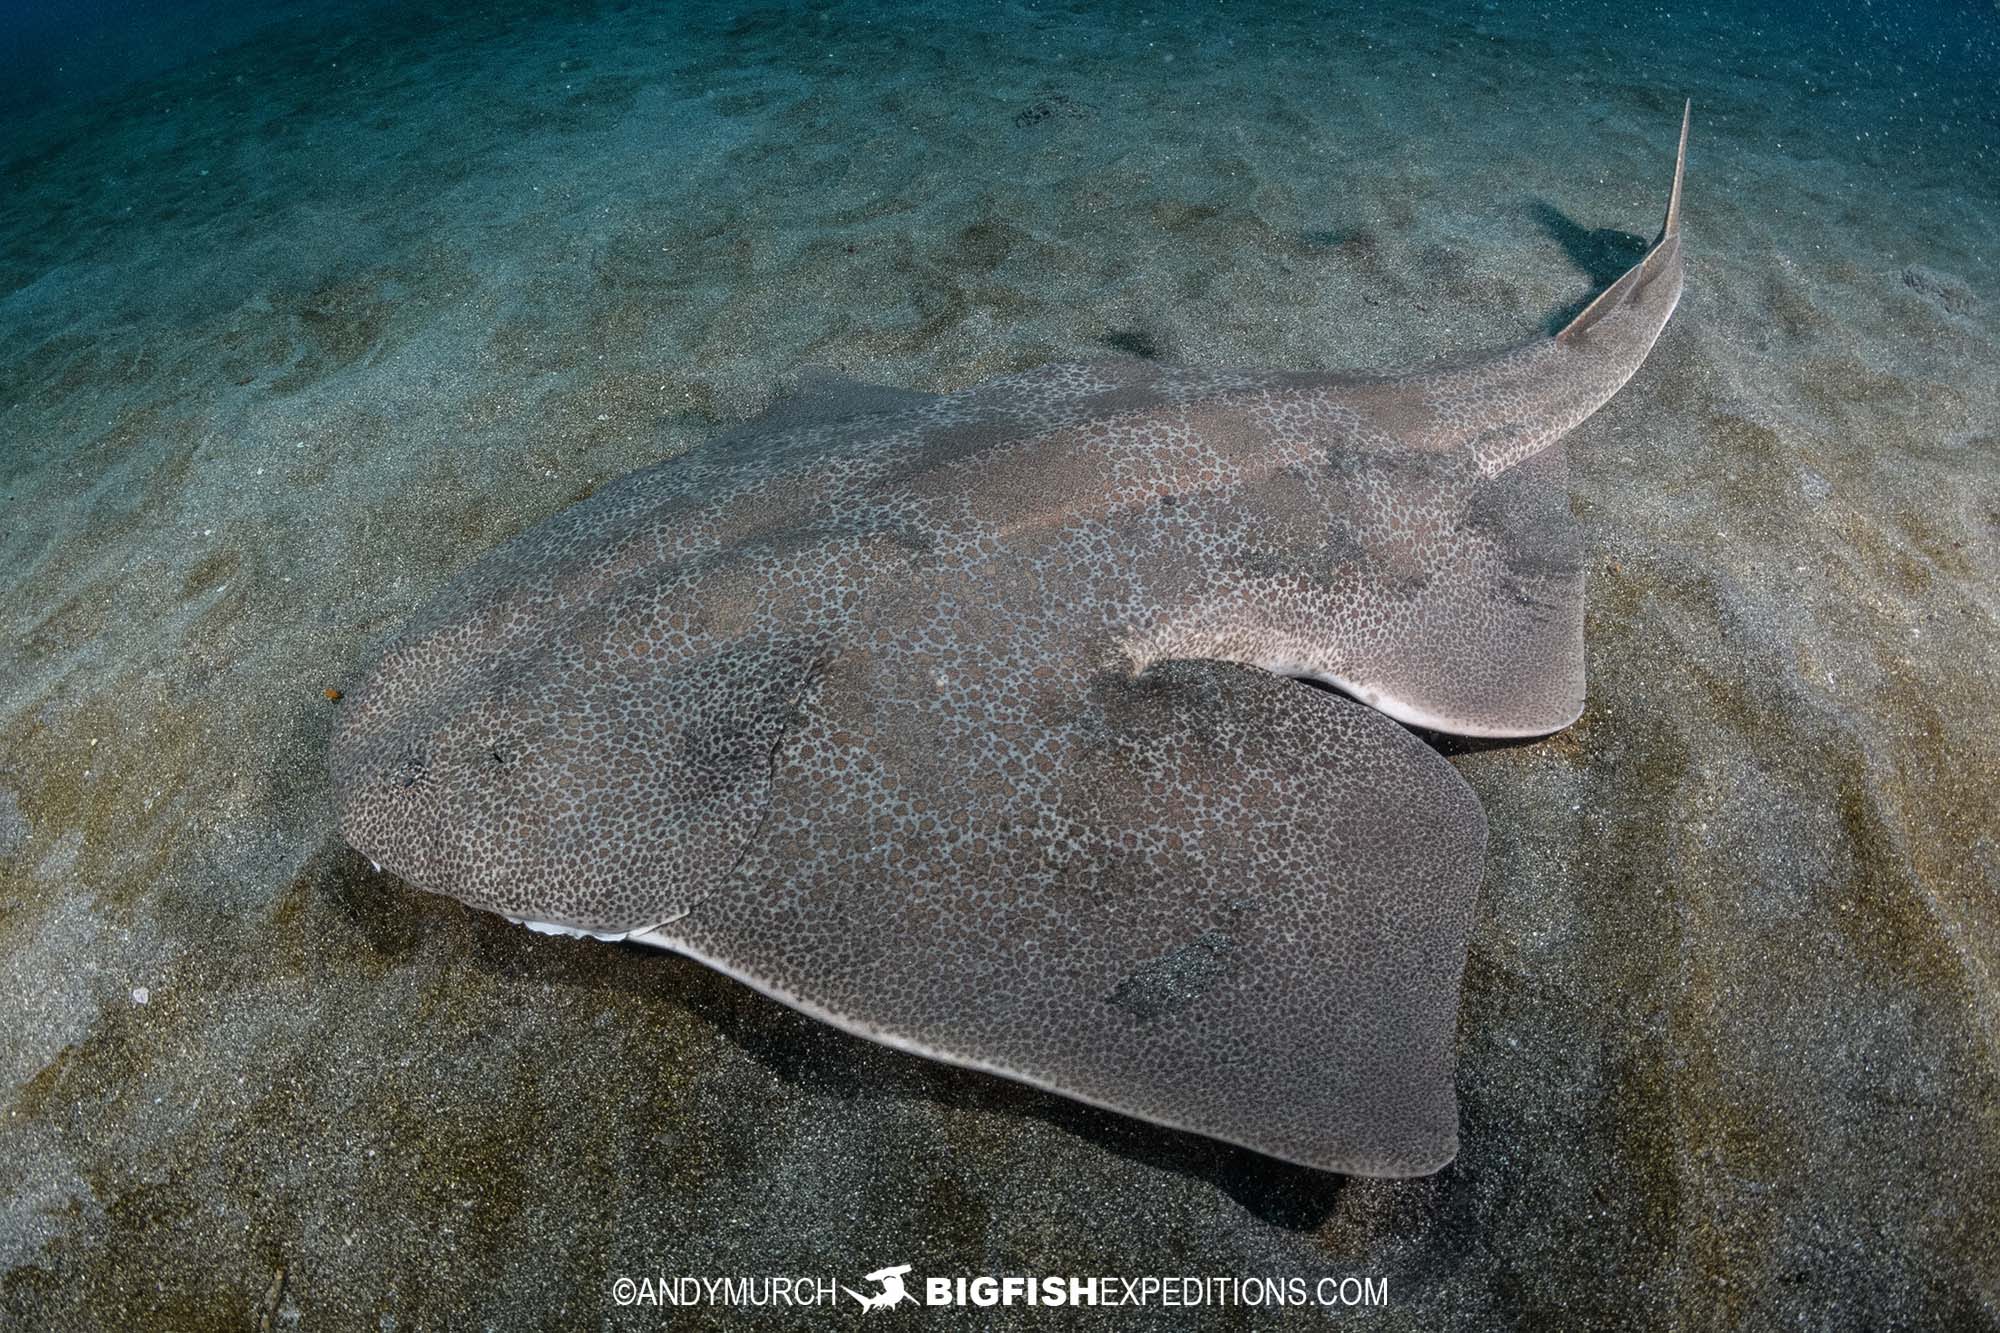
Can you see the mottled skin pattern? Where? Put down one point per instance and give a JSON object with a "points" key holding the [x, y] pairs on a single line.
{"points": [[964, 722]]}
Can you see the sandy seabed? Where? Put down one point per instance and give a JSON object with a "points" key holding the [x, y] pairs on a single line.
{"points": [[292, 332]]}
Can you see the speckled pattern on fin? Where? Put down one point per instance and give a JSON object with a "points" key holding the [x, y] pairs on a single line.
{"points": [[1239, 905]]}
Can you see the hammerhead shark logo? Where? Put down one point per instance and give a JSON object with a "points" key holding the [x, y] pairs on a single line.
{"points": [[893, 1292]]}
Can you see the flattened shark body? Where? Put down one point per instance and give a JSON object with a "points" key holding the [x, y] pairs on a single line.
{"points": [[976, 723]]}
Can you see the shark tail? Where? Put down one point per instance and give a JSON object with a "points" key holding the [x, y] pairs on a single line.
{"points": [[1662, 261], [1672, 226]]}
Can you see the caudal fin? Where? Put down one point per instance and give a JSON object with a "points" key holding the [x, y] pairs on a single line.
{"points": [[1653, 284], [1672, 226]]}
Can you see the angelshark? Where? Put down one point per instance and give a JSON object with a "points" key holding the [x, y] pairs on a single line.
{"points": [[1052, 727]]}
